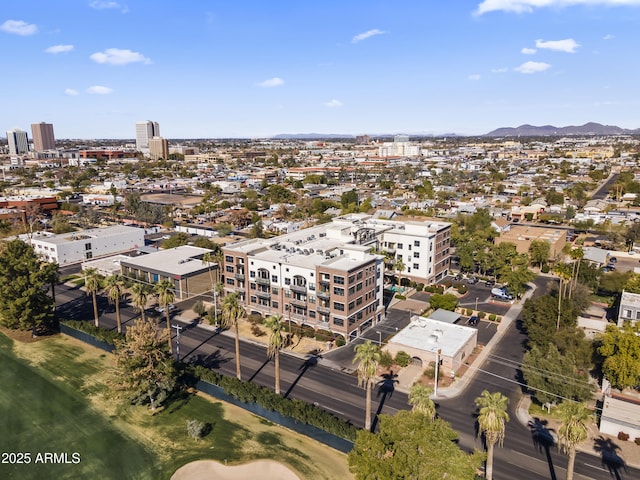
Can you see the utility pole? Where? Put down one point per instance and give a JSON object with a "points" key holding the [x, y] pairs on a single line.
{"points": [[435, 389], [178, 329]]}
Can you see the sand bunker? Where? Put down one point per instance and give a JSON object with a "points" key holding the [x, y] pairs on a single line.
{"points": [[209, 469]]}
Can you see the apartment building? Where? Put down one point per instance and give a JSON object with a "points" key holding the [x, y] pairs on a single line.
{"points": [[328, 276]]}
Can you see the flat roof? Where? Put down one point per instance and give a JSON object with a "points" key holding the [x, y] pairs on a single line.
{"points": [[430, 335], [81, 235], [445, 316], [621, 412], [180, 261]]}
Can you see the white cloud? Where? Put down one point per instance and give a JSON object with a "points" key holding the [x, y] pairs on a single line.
{"points": [[608, 36], [567, 45], [499, 70], [532, 67], [474, 77], [117, 56], [18, 27], [102, 5], [365, 35], [271, 82], [528, 51], [333, 103], [99, 90], [59, 49], [528, 6], [70, 92]]}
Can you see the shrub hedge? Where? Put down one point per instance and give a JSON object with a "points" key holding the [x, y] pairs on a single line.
{"points": [[102, 334]]}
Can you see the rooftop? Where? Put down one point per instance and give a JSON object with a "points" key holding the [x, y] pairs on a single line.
{"points": [[430, 335]]}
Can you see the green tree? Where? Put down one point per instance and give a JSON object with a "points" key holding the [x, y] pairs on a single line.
{"points": [[139, 297], [539, 252], [574, 429], [367, 355], [448, 301], [410, 445], [552, 375], [492, 420], [114, 285], [177, 240], [24, 303], [145, 369], [620, 348], [92, 280], [420, 400], [232, 312], [165, 291], [274, 325]]}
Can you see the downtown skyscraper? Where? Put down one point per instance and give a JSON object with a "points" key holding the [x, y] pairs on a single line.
{"points": [[43, 139], [145, 131], [18, 141]]}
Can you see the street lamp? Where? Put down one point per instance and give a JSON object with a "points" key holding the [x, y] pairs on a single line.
{"points": [[178, 329], [476, 304], [379, 337]]}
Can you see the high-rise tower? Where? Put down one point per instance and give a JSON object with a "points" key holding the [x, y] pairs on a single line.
{"points": [[18, 141], [144, 132], [42, 134]]}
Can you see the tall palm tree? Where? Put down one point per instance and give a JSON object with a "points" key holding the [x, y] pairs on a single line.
{"points": [[114, 286], [232, 312], [492, 419], [92, 284], [139, 296], [399, 267], [368, 358], [577, 254], [165, 291], [573, 430], [420, 399], [274, 324]]}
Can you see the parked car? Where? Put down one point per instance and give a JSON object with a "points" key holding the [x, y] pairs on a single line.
{"points": [[472, 280], [613, 260], [473, 321], [501, 294], [489, 283]]}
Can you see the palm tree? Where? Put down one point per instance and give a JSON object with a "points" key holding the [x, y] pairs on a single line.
{"points": [[92, 284], [276, 328], [208, 259], [573, 430], [114, 285], [563, 275], [492, 419], [139, 295], [577, 254], [232, 312], [368, 358], [165, 291], [399, 267], [420, 399]]}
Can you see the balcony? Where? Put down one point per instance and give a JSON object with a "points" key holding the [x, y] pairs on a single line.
{"points": [[323, 325], [323, 294], [263, 280], [298, 303], [263, 295], [325, 283], [298, 288], [323, 310], [239, 276]]}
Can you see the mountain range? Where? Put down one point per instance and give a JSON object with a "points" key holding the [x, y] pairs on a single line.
{"points": [[590, 128]]}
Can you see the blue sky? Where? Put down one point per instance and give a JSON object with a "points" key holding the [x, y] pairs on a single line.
{"points": [[240, 68]]}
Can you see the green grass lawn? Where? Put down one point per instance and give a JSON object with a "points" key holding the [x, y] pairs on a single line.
{"points": [[52, 399]]}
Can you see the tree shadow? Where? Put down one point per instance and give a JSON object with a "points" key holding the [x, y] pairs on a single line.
{"points": [[259, 369], [543, 439], [212, 361], [608, 450], [386, 387], [186, 355], [311, 361]]}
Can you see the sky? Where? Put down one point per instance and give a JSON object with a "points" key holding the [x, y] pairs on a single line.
{"points": [[258, 68]]}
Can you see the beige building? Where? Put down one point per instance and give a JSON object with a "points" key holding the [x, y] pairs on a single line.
{"points": [[158, 148], [42, 134], [523, 235]]}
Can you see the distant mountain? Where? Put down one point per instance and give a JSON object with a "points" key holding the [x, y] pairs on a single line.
{"points": [[590, 128]]}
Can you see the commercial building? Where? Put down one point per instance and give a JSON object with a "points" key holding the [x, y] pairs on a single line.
{"points": [[42, 134], [629, 310], [75, 247], [182, 266], [329, 276], [158, 148], [18, 141], [425, 339], [523, 235], [145, 131]]}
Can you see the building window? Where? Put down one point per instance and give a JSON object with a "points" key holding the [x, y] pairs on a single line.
{"points": [[274, 278], [338, 322], [229, 268], [274, 304], [416, 243], [287, 281], [87, 246], [626, 313], [339, 280], [312, 313], [399, 246], [228, 259], [338, 306], [338, 291], [416, 266], [230, 281], [416, 254]]}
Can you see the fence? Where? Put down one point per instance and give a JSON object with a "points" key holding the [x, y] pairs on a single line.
{"points": [[86, 338]]}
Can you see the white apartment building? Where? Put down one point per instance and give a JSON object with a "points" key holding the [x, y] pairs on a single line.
{"points": [[75, 247], [329, 276]]}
